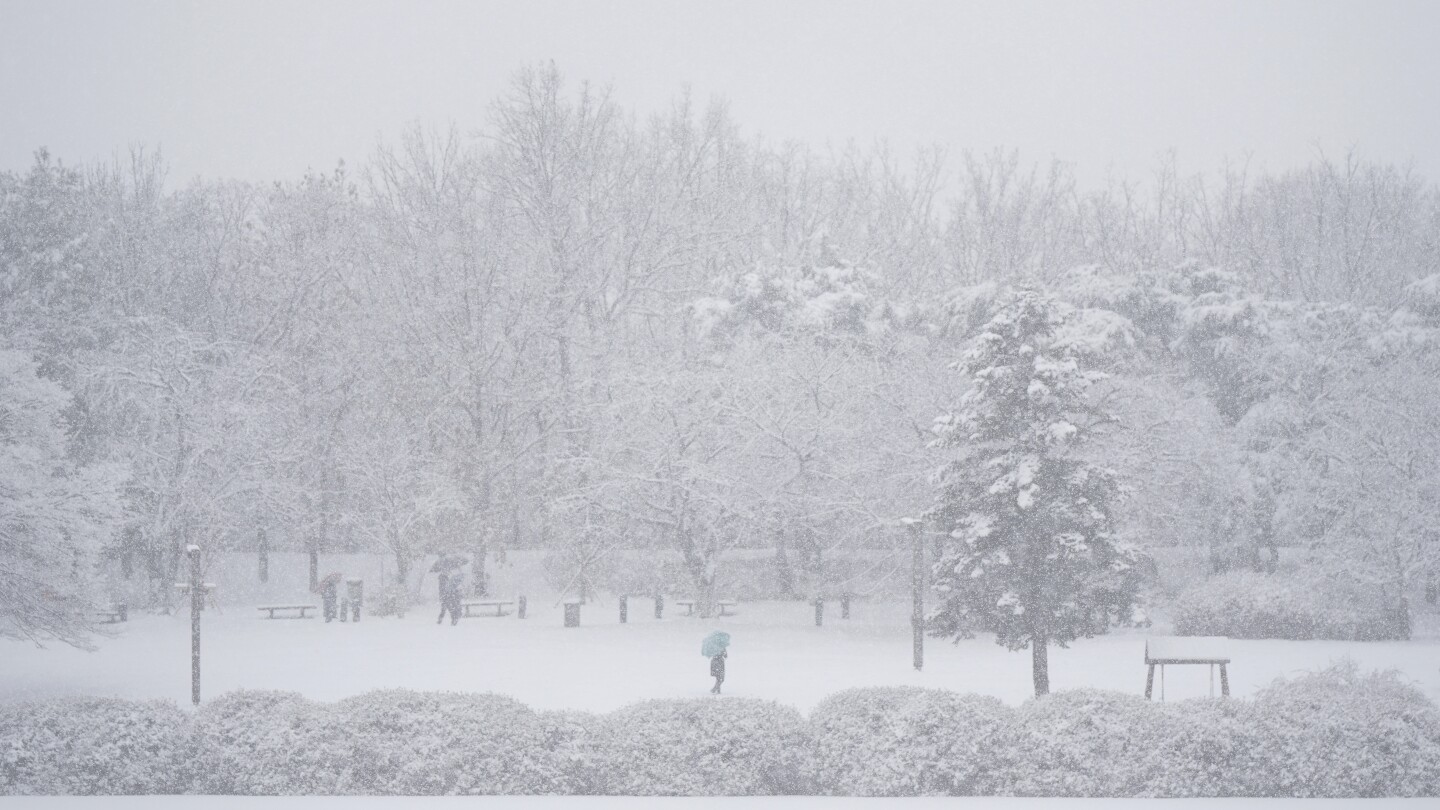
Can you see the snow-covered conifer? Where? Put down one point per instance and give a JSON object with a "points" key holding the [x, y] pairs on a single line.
{"points": [[1030, 550]]}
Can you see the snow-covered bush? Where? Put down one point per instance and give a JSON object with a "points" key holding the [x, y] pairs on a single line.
{"points": [[264, 743], [704, 747], [92, 746], [398, 742], [906, 741], [570, 737], [1090, 742], [1244, 604], [1339, 733]]}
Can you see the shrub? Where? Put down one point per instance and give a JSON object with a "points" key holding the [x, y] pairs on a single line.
{"points": [[703, 747], [1243, 604], [1338, 733], [92, 746], [570, 736], [906, 741], [398, 742], [262, 743], [1089, 742]]}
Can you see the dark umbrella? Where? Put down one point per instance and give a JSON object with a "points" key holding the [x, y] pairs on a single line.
{"points": [[331, 579]]}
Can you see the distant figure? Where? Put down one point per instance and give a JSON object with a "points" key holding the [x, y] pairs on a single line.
{"points": [[330, 595], [717, 670], [451, 586]]}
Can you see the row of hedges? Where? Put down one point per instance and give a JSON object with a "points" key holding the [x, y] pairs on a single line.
{"points": [[1244, 604], [1335, 733]]}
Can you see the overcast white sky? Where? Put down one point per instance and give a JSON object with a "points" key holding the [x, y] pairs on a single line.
{"points": [[263, 90]]}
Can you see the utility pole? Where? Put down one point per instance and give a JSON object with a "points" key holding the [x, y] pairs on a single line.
{"points": [[197, 595], [917, 584]]}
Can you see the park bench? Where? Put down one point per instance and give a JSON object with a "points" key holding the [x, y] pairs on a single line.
{"points": [[113, 614], [300, 608], [1211, 650], [723, 604], [498, 604]]}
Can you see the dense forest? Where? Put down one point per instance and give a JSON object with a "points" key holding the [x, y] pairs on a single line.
{"points": [[582, 330]]}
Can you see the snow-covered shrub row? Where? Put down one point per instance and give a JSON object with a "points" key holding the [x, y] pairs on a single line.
{"points": [[704, 747], [1335, 733], [389, 742], [93, 746], [906, 741], [1244, 604]]}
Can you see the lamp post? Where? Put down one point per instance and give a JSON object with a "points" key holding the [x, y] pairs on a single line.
{"points": [[197, 594], [917, 585]]}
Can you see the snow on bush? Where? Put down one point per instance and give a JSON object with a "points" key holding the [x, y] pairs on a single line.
{"points": [[1090, 742], [399, 742], [570, 737], [1339, 733], [92, 746], [390, 742], [1244, 604], [264, 743], [703, 747], [906, 741]]}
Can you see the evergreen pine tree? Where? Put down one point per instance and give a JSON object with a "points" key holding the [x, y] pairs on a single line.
{"points": [[1029, 547]]}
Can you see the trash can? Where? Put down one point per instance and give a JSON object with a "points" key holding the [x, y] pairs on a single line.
{"points": [[355, 595], [572, 614]]}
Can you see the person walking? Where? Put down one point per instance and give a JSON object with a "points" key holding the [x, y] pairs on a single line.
{"points": [[451, 594], [717, 670], [329, 589], [444, 596]]}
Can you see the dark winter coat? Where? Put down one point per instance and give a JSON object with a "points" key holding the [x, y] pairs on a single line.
{"points": [[717, 665]]}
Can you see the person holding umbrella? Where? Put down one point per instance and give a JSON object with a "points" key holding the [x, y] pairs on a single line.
{"points": [[451, 578], [329, 590], [716, 648]]}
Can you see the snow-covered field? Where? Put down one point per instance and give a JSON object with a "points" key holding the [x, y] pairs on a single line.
{"points": [[777, 653], [677, 803]]}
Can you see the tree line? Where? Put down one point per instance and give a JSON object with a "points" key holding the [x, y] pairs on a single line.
{"points": [[582, 330]]}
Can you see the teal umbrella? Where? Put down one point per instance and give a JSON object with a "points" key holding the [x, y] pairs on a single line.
{"points": [[714, 644]]}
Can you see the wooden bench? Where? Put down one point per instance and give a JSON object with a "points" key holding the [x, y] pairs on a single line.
{"points": [[498, 604], [300, 608], [723, 604], [1211, 650], [113, 614]]}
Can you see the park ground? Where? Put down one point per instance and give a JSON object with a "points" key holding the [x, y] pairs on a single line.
{"points": [[777, 653]]}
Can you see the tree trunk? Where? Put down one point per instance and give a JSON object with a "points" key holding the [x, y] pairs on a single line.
{"points": [[1040, 660], [477, 567]]}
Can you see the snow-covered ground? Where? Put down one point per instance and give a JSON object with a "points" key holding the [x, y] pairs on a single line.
{"points": [[678, 803], [777, 653]]}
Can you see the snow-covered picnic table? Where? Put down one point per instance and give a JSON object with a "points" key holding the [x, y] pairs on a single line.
{"points": [[300, 608], [723, 604], [1211, 650], [498, 604]]}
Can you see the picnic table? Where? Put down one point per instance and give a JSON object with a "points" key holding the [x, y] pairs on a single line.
{"points": [[723, 604], [300, 608], [498, 604], [114, 613], [1209, 650]]}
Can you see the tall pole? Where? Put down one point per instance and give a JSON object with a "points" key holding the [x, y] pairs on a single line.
{"points": [[917, 584], [197, 594]]}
